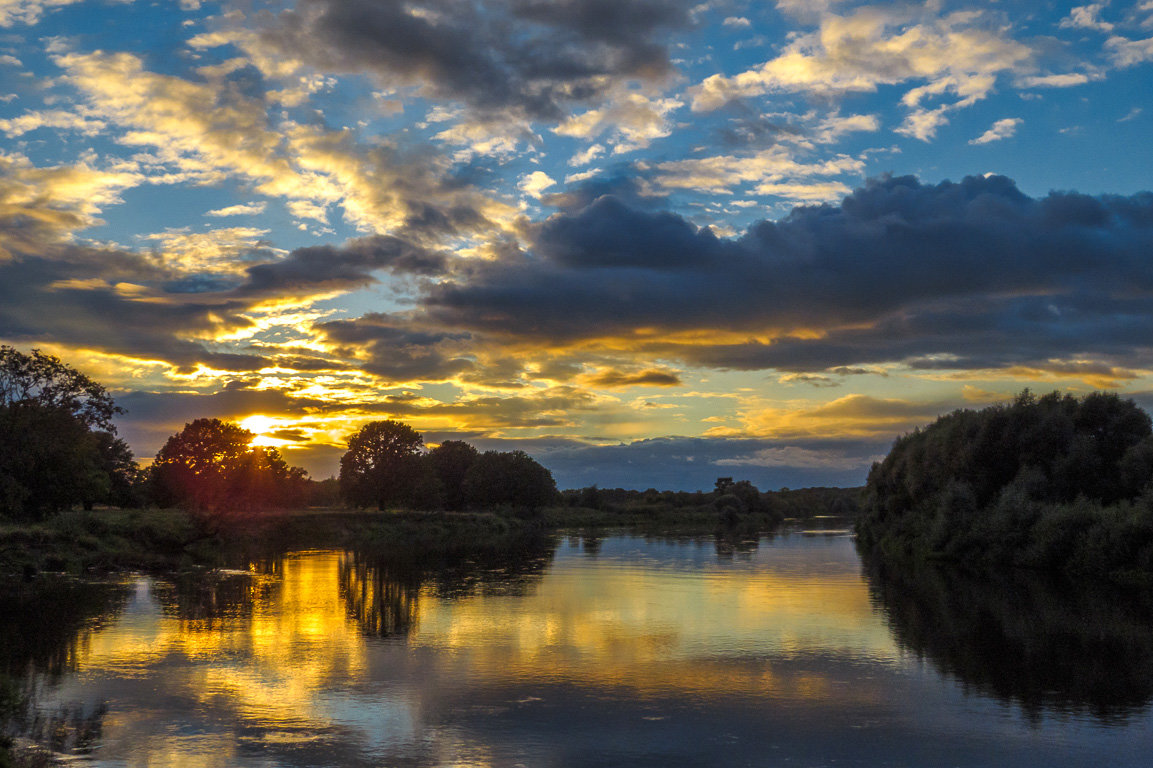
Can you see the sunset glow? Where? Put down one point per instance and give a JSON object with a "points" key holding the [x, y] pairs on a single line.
{"points": [[649, 242]]}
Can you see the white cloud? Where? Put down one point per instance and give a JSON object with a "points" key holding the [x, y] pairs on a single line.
{"points": [[1066, 80], [587, 156], [251, 209], [1129, 53], [56, 119], [957, 54], [14, 12], [1086, 17], [582, 176], [1002, 129], [631, 119], [737, 22], [772, 169], [833, 127], [536, 183]]}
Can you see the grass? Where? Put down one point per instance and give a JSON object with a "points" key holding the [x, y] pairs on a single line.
{"points": [[109, 540]]}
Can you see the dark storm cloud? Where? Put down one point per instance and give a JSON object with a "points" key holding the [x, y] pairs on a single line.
{"points": [[397, 350], [531, 55], [349, 266], [968, 274], [647, 378], [69, 296]]}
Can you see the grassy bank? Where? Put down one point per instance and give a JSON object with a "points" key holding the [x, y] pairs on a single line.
{"points": [[104, 541]]}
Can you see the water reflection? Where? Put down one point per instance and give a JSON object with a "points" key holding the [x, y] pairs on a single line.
{"points": [[383, 591], [591, 651], [1042, 643], [46, 629]]}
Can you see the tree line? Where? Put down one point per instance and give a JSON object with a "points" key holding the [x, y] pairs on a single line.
{"points": [[1055, 482], [59, 449], [386, 466]]}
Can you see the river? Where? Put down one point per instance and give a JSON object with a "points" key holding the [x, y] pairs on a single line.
{"points": [[589, 651]]}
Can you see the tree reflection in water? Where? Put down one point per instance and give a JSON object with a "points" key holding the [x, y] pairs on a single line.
{"points": [[44, 628], [382, 589], [1045, 644]]}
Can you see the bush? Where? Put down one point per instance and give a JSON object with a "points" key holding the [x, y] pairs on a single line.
{"points": [[1044, 482]]}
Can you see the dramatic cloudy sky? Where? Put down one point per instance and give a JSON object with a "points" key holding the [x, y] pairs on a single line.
{"points": [[649, 241]]}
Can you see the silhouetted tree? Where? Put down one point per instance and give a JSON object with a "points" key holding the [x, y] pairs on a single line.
{"points": [[513, 478], [451, 461], [210, 466], [57, 440], [45, 381], [1046, 482], [383, 466]]}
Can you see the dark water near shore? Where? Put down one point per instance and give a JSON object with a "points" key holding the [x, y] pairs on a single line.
{"points": [[589, 652]]}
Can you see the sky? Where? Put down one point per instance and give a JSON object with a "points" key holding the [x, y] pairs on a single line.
{"points": [[649, 242]]}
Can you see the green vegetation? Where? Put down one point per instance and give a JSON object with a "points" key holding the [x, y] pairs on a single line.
{"points": [[385, 466], [1056, 482], [58, 446], [216, 499], [730, 504], [211, 467]]}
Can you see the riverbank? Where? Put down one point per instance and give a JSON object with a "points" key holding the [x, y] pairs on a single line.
{"points": [[105, 541]]}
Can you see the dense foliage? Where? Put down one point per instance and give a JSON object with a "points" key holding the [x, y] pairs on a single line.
{"points": [[383, 467], [211, 466], [386, 467], [450, 461], [511, 478], [728, 498], [58, 445], [1051, 482]]}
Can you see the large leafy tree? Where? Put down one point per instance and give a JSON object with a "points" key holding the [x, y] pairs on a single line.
{"points": [[383, 467], [211, 466], [57, 440], [451, 461], [512, 479], [44, 381]]}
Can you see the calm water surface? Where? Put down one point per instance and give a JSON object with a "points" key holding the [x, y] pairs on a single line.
{"points": [[598, 652]]}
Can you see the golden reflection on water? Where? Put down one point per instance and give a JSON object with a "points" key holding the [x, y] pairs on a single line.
{"points": [[325, 645]]}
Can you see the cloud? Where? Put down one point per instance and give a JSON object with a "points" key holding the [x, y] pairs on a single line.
{"points": [[1086, 17], [1002, 129], [957, 53], [533, 57], [249, 209], [1127, 53], [1066, 80], [535, 183], [322, 269], [647, 378], [856, 415], [229, 127], [44, 205], [767, 169], [633, 119], [899, 272], [694, 463], [27, 12], [398, 350]]}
